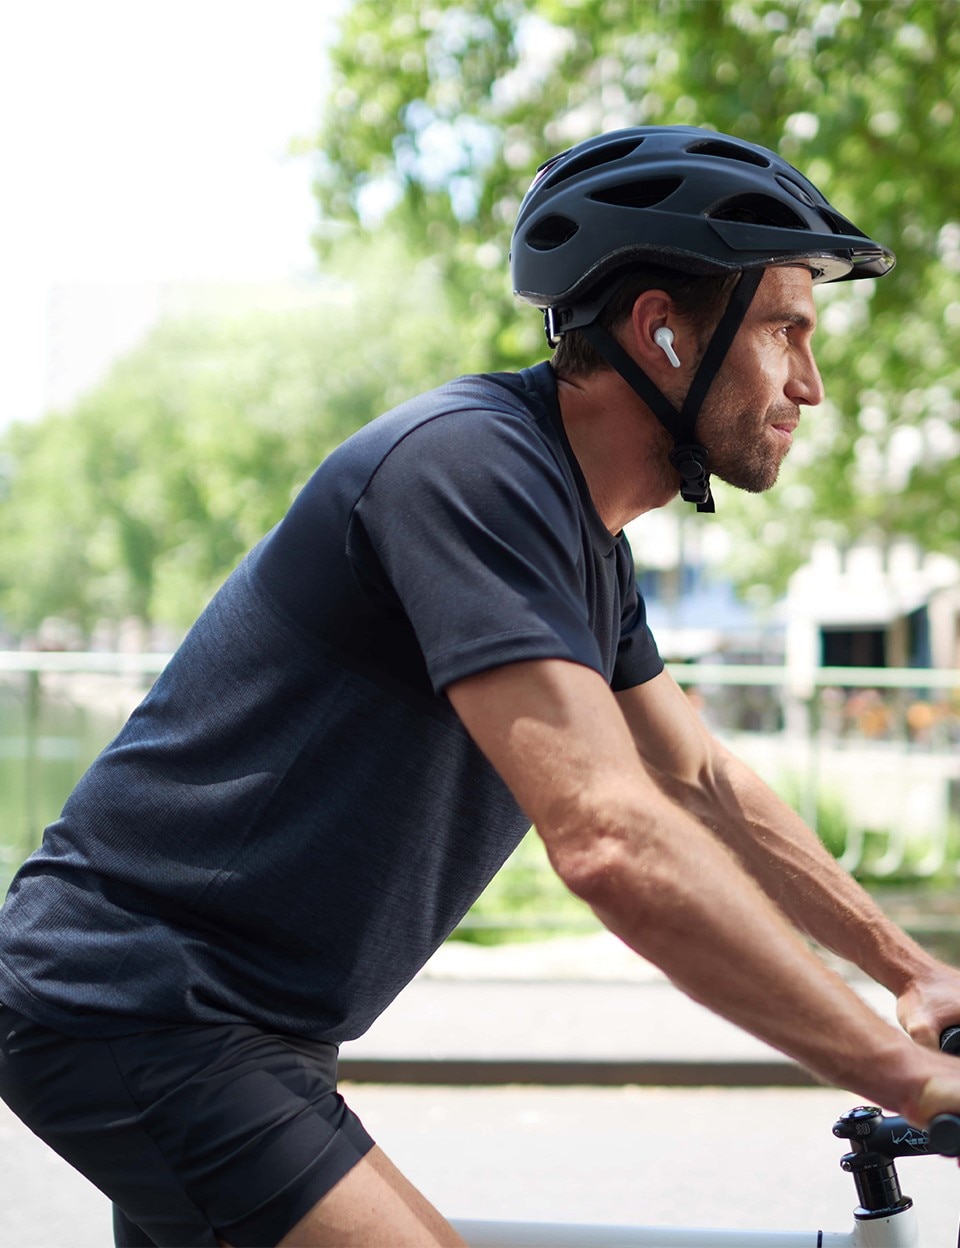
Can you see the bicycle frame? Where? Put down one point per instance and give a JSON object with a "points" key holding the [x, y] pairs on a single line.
{"points": [[899, 1231], [884, 1217]]}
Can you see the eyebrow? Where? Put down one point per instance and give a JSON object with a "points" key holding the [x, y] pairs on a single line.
{"points": [[800, 319]]}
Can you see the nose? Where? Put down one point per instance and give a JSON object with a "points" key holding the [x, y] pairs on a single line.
{"points": [[805, 387]]}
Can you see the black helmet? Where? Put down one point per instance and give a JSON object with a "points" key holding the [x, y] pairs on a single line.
{"points": [[678, 196], [681, 198]]}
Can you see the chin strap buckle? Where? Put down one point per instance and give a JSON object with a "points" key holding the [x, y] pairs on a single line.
{"points": [[690, 461], [553, 319]]}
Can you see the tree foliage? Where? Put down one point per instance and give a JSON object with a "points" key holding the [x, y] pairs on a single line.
{"points": [[140, 499], [441, 110]]}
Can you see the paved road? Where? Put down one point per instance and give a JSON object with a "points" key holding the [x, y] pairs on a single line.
{"points": [[708, 1157], [601, 1154]]}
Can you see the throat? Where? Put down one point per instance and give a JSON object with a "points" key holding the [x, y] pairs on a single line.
{"points": [[621, 448]]}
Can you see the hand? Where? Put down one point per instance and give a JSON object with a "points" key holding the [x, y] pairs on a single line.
{"points": [[939, 1095], [925, 1010], [930, 1005]]}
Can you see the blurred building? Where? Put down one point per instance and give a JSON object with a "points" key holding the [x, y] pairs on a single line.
{"points": [[693, 609], [869, 606], [874, 607]]}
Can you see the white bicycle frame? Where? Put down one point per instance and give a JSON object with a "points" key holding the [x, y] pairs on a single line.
{"points": [[884, 1217], [898, 1231]]}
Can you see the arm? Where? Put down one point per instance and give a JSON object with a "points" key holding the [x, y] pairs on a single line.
{"points": [[666, 886], [784, 856]]}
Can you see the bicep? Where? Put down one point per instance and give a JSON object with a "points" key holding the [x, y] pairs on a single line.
{"points": [[554, 732]]}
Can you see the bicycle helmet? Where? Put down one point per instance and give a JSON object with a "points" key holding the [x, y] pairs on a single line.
{"points": [[687, 199]]}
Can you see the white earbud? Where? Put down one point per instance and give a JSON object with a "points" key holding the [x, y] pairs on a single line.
{"points": [[663, 337]]}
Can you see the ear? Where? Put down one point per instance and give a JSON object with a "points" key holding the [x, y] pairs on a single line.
{"points": [[653, 310]]}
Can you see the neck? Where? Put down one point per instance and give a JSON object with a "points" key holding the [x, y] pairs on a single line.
{"points": [[620, 446]]}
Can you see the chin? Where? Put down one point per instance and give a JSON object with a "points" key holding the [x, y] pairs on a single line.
{"points": [[750, 483]]}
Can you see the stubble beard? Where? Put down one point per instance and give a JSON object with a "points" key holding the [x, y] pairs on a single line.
{"points": [[743, 451]]}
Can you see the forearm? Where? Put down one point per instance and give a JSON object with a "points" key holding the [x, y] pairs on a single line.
{"points": [[801, 877], [682, 901], [660, 880]]}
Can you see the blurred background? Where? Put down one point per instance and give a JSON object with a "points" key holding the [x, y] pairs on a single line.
{"points": [[234, 233]]}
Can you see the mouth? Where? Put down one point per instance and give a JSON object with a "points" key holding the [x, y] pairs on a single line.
{"points": [[784, 429]]}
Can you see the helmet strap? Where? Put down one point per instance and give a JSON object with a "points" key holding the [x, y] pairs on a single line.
{"points": [[688, 456], [719, 345]]}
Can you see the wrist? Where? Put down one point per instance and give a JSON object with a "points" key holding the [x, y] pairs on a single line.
{"points": [[902, 965], [901, 1079]]}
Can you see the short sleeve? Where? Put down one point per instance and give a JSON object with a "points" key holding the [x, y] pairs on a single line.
{"points": [[638, 659], [475, 524]]}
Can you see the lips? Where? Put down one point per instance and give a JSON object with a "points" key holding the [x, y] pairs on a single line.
{"points": [[784, 427]]}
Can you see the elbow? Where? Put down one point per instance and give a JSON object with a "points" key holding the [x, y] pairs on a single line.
{"points": [[589, 866], [607, 857], [638, 881]]}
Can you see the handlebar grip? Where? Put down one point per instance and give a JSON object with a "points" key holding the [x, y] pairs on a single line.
{"points": [[944, 1135], [944, 1129]]}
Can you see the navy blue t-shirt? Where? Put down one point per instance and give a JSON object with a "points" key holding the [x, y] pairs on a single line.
{"points": [[294, 818]]}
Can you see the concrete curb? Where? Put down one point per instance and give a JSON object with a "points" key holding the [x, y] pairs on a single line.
{"points": [[563, 1072]]}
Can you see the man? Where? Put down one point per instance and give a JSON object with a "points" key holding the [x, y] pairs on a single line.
{"points": [[439, 644]]}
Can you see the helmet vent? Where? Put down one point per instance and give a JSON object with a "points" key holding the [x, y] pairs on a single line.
{"points": [[550, 232], [729, 151], [840, 223], [796, 190], [758, 210], [642, 193], [594, 158]]}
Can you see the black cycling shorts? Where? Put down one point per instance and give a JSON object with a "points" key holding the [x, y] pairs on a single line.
{"points": [[194, 1132]]}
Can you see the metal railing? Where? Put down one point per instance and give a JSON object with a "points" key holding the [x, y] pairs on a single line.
{"points": [[873, 749]]}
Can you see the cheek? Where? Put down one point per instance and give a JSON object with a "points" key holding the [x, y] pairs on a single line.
{"points": [[758, 390]]}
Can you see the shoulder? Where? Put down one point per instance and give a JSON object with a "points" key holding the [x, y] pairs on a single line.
{"points": [[494, 424], [479, 407]]}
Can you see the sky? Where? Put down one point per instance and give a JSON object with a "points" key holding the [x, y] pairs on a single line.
{"points": [[145, 142]]}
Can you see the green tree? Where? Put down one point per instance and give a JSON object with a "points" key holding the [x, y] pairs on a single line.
{"points": [[140, 499], [440, 111]]}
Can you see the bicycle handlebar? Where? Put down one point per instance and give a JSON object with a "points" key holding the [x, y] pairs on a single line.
{"points": [[870, 1131], [944, 1135], [944, 1129]]}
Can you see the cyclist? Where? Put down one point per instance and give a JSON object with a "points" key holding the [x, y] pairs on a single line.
{"points": [[440, 643]]}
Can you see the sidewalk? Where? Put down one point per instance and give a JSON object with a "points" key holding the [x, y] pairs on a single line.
{"points": [[582, 1010]]}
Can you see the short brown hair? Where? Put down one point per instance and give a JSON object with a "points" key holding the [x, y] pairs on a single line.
{"points": [[700, 299]]}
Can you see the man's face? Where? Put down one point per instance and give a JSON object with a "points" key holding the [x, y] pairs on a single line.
{"points": [[753, 406]]}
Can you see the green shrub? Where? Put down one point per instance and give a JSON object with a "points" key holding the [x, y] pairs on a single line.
{"points": [[525, 901]]}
